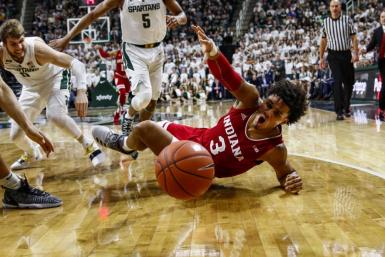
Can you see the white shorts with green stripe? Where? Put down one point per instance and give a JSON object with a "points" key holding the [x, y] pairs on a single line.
{"points": [[144, 66], [53, 95]]}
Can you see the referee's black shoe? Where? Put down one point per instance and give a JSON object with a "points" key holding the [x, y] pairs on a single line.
{"points": [[348, 113], [340, 117]]}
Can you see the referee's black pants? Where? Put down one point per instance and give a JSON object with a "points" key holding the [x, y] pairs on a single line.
{"points": [[340, 63], [381, 67]]}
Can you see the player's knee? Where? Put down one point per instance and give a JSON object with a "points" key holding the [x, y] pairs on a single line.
{"points": [[141, 100], [144, 128]]}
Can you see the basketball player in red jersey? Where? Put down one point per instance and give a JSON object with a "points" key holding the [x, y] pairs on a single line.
{"points": [[121, 81], [249, 134]]}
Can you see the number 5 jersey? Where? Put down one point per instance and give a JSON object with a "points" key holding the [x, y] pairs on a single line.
{"points": [[143, 22]]}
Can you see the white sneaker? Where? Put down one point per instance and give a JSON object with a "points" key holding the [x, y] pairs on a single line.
{"points": [[96, 156], [25, 160]]}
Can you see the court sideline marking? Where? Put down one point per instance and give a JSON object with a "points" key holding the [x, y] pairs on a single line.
{"points": [[371, 172]]}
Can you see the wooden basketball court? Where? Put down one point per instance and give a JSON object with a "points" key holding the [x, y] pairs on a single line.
{"points": [[119, 210]]}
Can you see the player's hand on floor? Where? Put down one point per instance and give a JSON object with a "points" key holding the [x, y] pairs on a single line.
{"points": [[37, 136], [81, 103], [206, 43], [292, 183]]}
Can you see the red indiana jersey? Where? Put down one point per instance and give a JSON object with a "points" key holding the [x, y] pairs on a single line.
{"points": [[232, 150], [119, 70]]}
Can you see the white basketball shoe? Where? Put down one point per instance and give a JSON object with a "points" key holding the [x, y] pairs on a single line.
{"points": [[26, 160]]}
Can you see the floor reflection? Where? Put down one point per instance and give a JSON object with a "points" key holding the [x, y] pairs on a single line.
{"points": [[118, 209]]}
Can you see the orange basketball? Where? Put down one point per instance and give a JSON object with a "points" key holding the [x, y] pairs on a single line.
{"points": [[184, 169]]}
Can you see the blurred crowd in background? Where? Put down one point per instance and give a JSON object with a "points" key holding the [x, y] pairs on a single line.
{"points": [[282, 42]]}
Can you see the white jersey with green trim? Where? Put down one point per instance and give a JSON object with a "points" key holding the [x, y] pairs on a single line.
{"points": [[143, 21], [29, 73]]}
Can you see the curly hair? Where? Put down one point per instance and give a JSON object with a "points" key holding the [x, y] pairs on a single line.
{"points": [[294, 96]]}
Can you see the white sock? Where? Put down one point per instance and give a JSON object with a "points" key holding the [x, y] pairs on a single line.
{"points": [[125, 147], [85, 141], [12, 181]]}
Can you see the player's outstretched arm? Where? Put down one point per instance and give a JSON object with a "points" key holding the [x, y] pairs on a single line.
{"points": [[105, 54], [222, 70], [45, 54], [287, 176], [178, 18], [84, 22], [9, 104]]}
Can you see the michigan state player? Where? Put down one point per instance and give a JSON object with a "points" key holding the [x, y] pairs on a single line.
{"points": [[144, 25], [44, 74]]}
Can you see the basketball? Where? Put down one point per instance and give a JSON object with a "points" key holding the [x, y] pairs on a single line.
{"points": [[184, 169]]}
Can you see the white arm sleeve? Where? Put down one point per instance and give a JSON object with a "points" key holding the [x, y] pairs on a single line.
{"points": [[79, 70]]}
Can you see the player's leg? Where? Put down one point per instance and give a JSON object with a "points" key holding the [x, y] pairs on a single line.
{"points": [[134, 60], [19, 194], [348, 81], [122, 99], [146, 134], [148, 112], [57, 113], [335, 66], [32, 104], [155, 71], [116, 116], [122, 95]]}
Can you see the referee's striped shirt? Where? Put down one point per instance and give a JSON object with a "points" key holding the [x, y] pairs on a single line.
{"points": [[338, 32]]}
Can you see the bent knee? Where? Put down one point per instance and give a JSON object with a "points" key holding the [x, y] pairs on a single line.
{"points": [[144, 127], [140, 101]]}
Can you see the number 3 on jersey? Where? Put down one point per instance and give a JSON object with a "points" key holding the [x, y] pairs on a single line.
{"points": [[146, 20], [216, 148]]}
